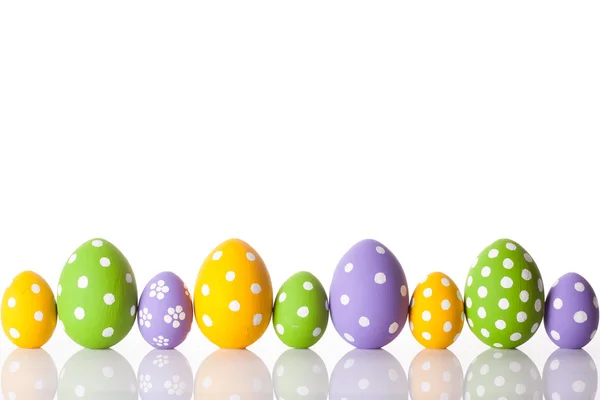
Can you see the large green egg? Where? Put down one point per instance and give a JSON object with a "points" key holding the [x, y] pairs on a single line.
{"points": [[301, 311], [504, 295], [97, 295]]}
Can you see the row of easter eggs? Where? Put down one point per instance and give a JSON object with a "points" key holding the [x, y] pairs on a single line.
{"points": [[504, 302]]}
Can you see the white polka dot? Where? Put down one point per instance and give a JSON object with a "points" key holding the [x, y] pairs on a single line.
{"points": [[257, 319], [521, 316], [345, 299], [499, 381], [205, 290], [535, 327], [578, 386], [540, 285], [554, 365], [470, 322], [558, 303], [485, 271], [349, 267], [393, 327], [207, 320], [108, 332], [445, 282], [538, 305], [97, 243], [230, 276], [508, 263], [480, 391], [482, 292], [302, 312], [79, 391], [425, 386], [426, 366], [426, 335], [14, 366], [555, 335], [528, 257], [72, 258], [79, 313], [12, 302], [481, 312], [282, 297], [592, 334], [498, 345], [555, 396], [349, 337], [364, 322], [426, 315], [255, 288], [595, 302], [469, 280], [38, 385], [307, 286], [217, 255], [234, 306], [506, 282], [445, 304], [128, 278], [380, 278], [302, 391], [82, 282], [579, 287], [250, 256], [403, 290], [108, 372], [526, 274], [524, 296], [500, 324], [363, 384], [511, 246], [469, 302], [427, 292], [447, 326], [515, 337], [105, 262], [380, 250], [316, 332], [109, 298], [485, 332], [447, 376], [35, 288], [349, 363], [503, 304], [393, 375], [14, 333], [580, 317], [493, 253], [38, 316], [132, 311]]}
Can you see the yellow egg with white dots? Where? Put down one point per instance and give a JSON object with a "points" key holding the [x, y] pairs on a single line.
{"points": [[233, 297], [28, 311]]}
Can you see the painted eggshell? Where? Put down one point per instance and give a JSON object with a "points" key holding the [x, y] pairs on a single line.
{"points": [[97, 295], [29, 374], [570, 374], [233, 374], [101, 375], [436, 311], [504, 295], [369, 296], [301, 311], [435, 374], [497, 374], [28, 311], [233, 298], [571, 317], [300, 375], [368, 374], [165, 374], [165, 311]]}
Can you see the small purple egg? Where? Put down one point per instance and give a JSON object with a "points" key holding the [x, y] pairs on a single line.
{"points": [[571, 314], [165, 311], [369, 296]]}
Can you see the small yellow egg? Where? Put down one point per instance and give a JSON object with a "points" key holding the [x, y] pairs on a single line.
{"points": [[28, 311]]}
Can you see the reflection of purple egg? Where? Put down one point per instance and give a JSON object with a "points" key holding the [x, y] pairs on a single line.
{"points": [[164, 374], [165, 311], [369, 296], [571, 315], [570, 374]]}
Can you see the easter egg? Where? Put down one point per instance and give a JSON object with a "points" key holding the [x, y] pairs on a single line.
{"points": [[435, 374], [29, 374], [571, 316], [570, 374], [165, 374], [301, 311], [368, 296], [504, 295], [28, 311], [503, 374], [233, 374], [233, 298], [300, 375], [165, 311], [97, 295], [368, 374], [436, 311]]}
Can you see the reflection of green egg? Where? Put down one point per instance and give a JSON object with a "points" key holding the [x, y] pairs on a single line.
{"points": [[301, 311], [495, 374], [300, 375]]}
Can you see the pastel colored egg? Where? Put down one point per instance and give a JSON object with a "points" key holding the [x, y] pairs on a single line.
{"points": [[571, 316], [504, 295], [235, 375], [368, 374], [165, 374], [165, 311], [94, 374], [301, 311], [369, 296], [233, 298], [499, 373], [435, 374], [570, 374], [30, 375], [436, 311], [300, 375], [28, 311], [97, 295]]}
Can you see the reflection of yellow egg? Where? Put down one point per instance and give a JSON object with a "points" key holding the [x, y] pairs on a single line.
{"points": [[436, 311], [233, 298], [28, 311]]}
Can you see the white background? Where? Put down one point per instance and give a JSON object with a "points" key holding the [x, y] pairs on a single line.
{"points": [[302, 128]]}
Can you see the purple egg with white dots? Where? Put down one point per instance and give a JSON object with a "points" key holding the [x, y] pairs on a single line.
{"points": [[369, 296], [165, 311], [571, 315]]}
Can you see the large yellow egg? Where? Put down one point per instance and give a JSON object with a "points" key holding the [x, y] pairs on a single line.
{"points": [[28, 311], [233, 297]]}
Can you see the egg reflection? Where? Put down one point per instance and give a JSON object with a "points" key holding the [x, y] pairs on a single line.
{"points": [[506, 374], [164, 373], [97, 374], [29, 374], [435, 374], [300, 374], [368, 374], [233, 375], [570, 374]]}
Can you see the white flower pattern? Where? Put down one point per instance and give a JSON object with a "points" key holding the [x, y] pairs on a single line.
{"points": [[145, 318], [159, 289], [145, 384], [161, 341], [161, 360], [174, 316], [175, 387]]}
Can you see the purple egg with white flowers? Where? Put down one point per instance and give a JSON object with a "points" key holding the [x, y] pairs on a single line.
{"points": [[165, 311], [369, 296], [571, 315]]}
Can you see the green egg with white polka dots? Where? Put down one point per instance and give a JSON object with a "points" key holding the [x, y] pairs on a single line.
{"points": [[97, 295], [301, 311], [504, 295]]}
